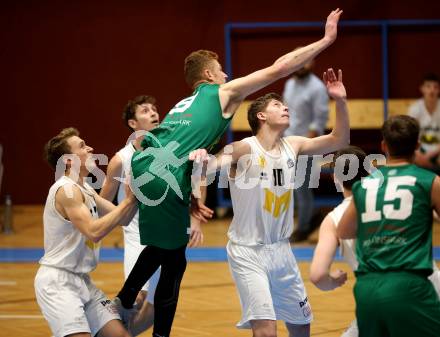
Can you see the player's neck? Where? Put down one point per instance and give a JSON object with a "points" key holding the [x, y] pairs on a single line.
{"points": [[77, 178], [347, 193], [398, 161], [431, 104], [198, 83], [269, 139]]}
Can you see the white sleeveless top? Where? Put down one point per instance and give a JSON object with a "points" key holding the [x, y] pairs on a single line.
{"points": [[65, 246], [347, 247], [125, 154], [262, 196]]}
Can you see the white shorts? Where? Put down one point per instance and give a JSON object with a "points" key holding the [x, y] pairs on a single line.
{"points": [[132, 249], [71, 303], [269, 284]]}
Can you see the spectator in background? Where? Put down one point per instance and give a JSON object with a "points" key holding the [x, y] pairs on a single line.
{"points": [[426, 111], [306, 96]]}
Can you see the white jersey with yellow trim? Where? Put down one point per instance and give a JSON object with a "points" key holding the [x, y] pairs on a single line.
{"points": [[65, 246], [262, 196]]}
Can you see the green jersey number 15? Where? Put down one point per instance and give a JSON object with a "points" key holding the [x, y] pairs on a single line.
{"points": [[394, 190]]}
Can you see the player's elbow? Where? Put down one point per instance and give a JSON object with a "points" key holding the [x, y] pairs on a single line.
{"points": [[321, 280], [317, 276], [95, 235], [341, 139], [280, 69], [94, 238]]}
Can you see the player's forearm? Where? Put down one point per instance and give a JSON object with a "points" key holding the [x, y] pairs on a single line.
{"points": [[296, 59], [341, 130], [122, 214], [109, 189], [199, 186], [223, 159], [203, 191], [128, 213]]}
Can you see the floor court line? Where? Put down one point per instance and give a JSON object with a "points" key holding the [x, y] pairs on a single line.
{"points": [[208, 254], [21, 317]]}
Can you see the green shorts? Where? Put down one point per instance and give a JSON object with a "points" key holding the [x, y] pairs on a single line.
{"points": [[396, 304]]}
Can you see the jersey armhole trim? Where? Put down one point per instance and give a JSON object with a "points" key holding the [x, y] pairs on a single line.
{"points": [[57, 213], [248, 140]]}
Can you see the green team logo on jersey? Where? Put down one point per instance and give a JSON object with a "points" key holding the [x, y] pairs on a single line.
{"points": [[163, 159]]}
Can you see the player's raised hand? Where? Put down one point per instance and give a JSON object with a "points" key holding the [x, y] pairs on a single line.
{"points": [[335, 87], [331, 26]]}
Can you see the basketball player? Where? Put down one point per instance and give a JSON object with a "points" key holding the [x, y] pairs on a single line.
{"points": [[391, 217], [140, 114], [328, 242], [75, 220], [162, 172], [261, 183], [320, 273]]}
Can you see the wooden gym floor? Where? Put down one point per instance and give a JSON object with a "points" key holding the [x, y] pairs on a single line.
{"points": [[208, 304]]}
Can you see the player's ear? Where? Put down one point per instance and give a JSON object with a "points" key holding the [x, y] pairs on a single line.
{"points": [[261, 115], [208, 75], [132, 123]]}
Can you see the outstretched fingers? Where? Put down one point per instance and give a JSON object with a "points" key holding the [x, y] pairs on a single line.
{"points": [[198, 155], [335, 14], [331, 75]]}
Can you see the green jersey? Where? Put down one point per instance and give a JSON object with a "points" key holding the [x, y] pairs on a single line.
{"points": [[394, 216], [162, 171]]}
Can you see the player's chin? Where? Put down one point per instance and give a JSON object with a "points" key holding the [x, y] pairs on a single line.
{"points": [[284, 123], [90, 165]]}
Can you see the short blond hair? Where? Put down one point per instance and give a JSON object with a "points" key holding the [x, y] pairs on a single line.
{"points": [[195, 63]]}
